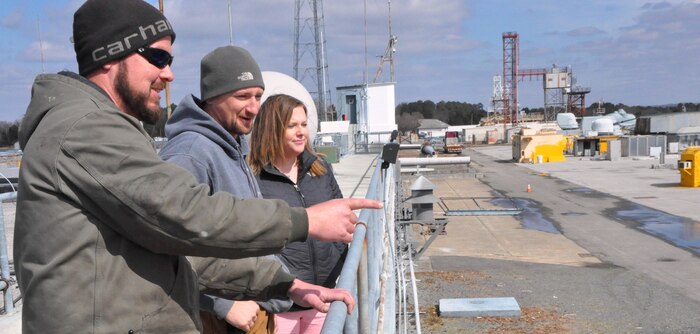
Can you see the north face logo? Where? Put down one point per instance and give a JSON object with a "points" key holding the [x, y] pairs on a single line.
{"points": [[245, 76]]}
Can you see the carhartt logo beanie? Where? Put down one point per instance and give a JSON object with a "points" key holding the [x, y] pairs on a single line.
{"points": [[106, 30], [227, 69]]}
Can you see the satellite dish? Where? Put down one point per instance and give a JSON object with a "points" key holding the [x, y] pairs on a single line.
{"points": [[280, 83]]}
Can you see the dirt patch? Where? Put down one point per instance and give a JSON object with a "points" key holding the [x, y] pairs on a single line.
{"points": [[430, 320], [533, 320], [469, 277]]}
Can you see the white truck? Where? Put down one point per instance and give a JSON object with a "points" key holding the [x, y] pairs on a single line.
{"points": [[451, 142]]}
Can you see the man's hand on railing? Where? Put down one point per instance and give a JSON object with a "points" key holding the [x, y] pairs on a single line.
{"points": [[334, 220], [243, 314], [318, 297]]}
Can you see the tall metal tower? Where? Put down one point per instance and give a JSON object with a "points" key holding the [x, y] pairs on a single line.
{"points": [[310, 63], [496, 97], [510, 77]]}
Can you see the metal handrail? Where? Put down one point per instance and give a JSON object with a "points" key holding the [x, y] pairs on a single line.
{"points": [[370, 270], [336, 317], [4, 257]]}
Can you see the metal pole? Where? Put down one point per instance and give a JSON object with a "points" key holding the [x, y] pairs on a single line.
{"points": [[404, 298], [168, 112], [335, 318], [416, 308], [435, 161], [363, 301], [230, 26], [320, 62], [41, 46]]}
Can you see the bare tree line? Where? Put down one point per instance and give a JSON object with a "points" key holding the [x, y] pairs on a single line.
{"points": [[8, 133]]}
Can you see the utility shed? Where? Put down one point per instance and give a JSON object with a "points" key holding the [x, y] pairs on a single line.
{"points": [[667, 123], [529, 144], [371, 107], [686, 137]]}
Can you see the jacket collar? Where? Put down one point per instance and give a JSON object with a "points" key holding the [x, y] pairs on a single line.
{"points": [[307, 159]]}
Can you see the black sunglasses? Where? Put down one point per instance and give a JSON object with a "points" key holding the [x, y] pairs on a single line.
{"points": [[157, 57]]}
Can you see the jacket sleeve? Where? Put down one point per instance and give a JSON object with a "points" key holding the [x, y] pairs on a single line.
{"points": [[254, 283], [109, 168], [333, 183], [258, 278], [196, 168]]}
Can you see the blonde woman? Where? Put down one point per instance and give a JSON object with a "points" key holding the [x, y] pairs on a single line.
{"points": [[287, 168]]}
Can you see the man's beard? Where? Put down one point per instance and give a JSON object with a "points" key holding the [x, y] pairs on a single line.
{"points": [[135, 103], [239, 130]]}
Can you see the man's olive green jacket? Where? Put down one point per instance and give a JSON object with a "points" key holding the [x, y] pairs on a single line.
{"points": [[103, 225]]}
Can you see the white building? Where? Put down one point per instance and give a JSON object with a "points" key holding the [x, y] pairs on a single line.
{"points": [[370, 108], [432, 127]]}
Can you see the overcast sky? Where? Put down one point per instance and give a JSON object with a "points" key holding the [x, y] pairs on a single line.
{"points": [[628, 51]]}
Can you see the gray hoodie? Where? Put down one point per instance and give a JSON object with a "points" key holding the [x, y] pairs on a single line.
{"points": [[201, 145]]}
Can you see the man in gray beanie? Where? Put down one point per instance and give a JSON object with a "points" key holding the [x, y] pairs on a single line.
{"points": [[206, 137], [103, 224]]}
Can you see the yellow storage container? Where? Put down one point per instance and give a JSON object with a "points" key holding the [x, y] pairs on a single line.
{"points": [[689, 166]]}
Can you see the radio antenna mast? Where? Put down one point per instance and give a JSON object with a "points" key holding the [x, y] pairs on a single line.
{"points": [[41, 45], [230, 27], [388, 53]]}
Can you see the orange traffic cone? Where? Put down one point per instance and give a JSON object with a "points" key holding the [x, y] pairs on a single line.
{"points": [[528, 188]]}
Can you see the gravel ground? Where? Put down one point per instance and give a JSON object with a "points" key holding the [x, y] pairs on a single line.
{"points": [[554, 298]]}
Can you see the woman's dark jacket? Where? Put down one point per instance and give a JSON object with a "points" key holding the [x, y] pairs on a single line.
{"points": [[312, 261]]}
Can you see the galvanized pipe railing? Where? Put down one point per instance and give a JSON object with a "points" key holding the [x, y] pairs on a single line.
{"points": [[378, 268], [4, 257], [435, 161], [335, 319], [369, 266]]}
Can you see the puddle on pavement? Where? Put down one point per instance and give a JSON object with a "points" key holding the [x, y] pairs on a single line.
{"points": [[579, 190], [531, 217], [573, 214], [674, 229]]}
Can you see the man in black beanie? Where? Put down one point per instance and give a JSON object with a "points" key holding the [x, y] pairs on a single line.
{"points": [[103, 225]]}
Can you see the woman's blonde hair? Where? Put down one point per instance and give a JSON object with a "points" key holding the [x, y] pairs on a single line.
{"points": [[267, 137]]}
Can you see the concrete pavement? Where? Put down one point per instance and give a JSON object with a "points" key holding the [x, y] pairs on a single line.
{"points": [[640, 180], [493, 237], [572, 261], [593, 270], [353, 173]]}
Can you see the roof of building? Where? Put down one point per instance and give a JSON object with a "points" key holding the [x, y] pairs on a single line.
{"points": [[688, 129], [432, 123], [671, 114]]}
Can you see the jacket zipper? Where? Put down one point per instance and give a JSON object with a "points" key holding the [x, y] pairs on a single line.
{"points": [[310, 244]]}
